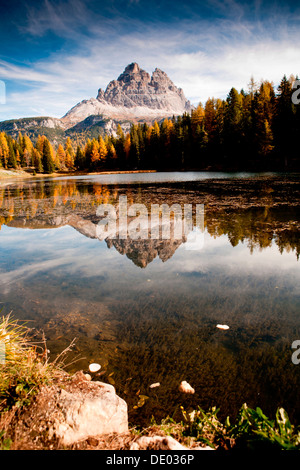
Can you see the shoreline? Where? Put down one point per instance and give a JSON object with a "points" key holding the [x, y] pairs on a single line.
{"points": [[7, 176], [11, 174]]}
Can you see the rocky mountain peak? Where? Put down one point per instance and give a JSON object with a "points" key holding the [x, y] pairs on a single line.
{"points": [[132, 74], [135, 95], [159, 73], [132, 68], [134, 87]]}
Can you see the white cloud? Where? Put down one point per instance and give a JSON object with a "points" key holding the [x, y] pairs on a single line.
{"points": [[204, 58]]}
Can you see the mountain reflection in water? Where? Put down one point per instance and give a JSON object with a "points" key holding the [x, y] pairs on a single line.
{"points": [[150, 315]]}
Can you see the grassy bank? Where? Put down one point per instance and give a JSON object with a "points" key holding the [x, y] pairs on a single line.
{"points": [[12, 174], [25, 369]]}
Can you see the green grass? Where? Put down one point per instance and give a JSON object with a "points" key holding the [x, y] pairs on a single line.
{"points": [[24, 365], [24, 369]]}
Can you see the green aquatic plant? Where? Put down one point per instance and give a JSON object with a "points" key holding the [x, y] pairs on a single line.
{"points": [[252, 429], [255, 427], [205, 427]]}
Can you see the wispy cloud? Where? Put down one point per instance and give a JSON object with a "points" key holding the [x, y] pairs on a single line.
{"points": [[204, 56], [62, 18]]}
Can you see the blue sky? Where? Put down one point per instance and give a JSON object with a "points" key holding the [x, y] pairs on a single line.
{"points": [[54, 53]]}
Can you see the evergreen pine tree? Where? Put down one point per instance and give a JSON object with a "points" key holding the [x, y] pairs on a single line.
{"points": [[47, 161], [79, 160]]}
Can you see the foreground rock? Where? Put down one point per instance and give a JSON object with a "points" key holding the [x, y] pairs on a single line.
{"points": [[77, 409], [91, 409], [80, 414]]}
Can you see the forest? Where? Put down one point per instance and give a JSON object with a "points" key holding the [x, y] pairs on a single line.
{"points": [[253, 130]]}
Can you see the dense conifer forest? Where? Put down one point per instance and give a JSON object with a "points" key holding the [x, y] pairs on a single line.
{"points": [[255, 130]]}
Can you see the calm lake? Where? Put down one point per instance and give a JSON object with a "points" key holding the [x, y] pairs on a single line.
{"points": [[147, 310]]}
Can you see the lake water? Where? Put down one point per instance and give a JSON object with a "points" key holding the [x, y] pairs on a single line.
{"points": [[147, 309]]}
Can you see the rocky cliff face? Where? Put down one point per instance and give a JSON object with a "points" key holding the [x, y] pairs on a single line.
{"points": [[135, 95], [135, 87]]}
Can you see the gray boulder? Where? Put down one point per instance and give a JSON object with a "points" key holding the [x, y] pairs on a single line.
{"points": [[89, 409], [73, 410]]}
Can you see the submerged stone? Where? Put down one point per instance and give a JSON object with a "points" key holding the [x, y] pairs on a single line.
{"points": [[94, 367], [186, 388]]}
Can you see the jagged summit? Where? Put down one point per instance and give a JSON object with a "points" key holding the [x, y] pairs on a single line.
{"points": [[135, 95], [133, 68]]}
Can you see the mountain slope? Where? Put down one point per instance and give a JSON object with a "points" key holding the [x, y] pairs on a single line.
{"points": [[52, 128], [134, 97]]}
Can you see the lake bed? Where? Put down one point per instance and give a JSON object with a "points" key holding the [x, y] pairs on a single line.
{"points": [[148, 310]]}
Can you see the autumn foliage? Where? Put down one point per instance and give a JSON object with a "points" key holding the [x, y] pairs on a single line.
{"points": [[253, 130]]}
